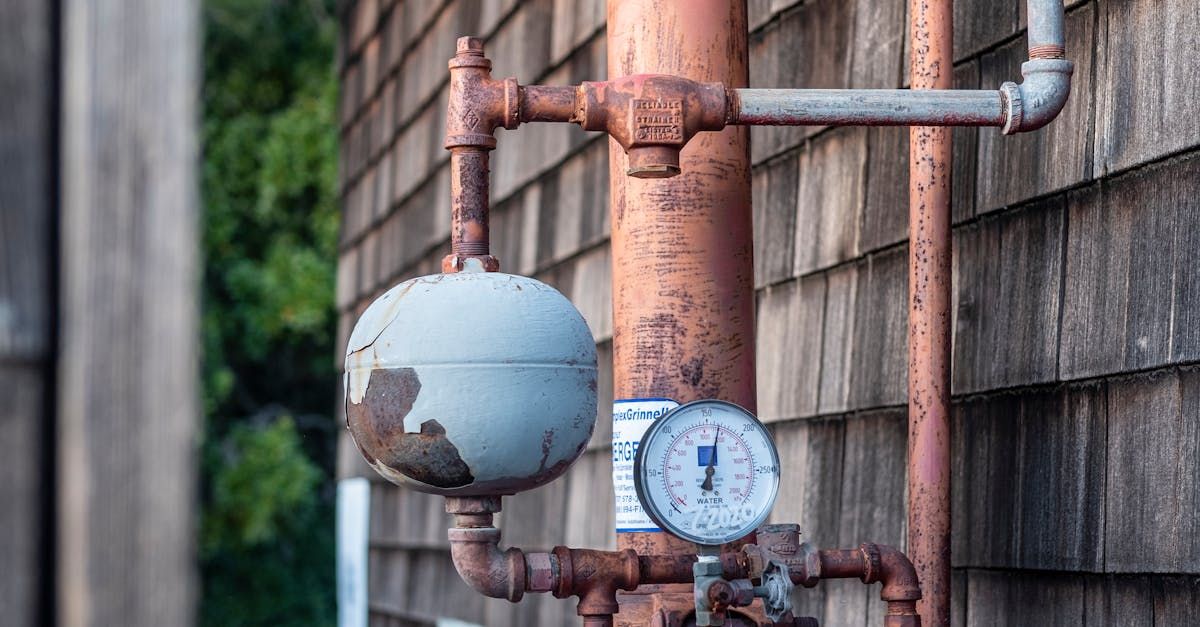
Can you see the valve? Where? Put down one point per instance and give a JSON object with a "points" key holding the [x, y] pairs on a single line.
{"points": [[714, 595], [775, 590]]}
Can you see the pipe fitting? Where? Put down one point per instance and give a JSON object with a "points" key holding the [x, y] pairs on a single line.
{"points": [[478, 103], [1039, 98], [475, 549], [480, 562], [594, 577], [652, 116], [902, 614], [888, 565]]}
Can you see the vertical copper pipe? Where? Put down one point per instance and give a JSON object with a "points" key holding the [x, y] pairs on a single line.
{"points": [[932, 66], [683, 290]]}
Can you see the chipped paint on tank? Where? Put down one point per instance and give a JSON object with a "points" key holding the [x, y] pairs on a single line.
{"points": [[360, 349], [489, 376]]}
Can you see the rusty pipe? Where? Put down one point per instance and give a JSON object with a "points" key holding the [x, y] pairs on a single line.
{"points": [[469, 230], [491, 572], [873, 563], [478, 105], [595, 576], [1032, 104], [931, 25], [807, 565], [884, 564], [541, 103], [475, 549], [653, 116], [682, 250]]}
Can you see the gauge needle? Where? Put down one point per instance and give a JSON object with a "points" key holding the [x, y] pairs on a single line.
{"points": [[707, 486]]}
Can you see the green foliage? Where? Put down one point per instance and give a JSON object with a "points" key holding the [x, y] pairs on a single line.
{"points": [[269, 185], [265, 540], [262, 477]]}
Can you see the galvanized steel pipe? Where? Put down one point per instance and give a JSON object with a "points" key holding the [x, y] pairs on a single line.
{"points": [[1016, 108], [1047, 29], [866, 107]]}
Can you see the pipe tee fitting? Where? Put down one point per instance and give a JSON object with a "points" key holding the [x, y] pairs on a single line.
{"points": [[652, 116]]}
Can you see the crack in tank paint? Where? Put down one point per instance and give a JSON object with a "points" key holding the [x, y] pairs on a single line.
{"points": [[372, 324]]}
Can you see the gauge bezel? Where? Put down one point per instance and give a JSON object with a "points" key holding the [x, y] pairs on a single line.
{"points": [[651, 509]]}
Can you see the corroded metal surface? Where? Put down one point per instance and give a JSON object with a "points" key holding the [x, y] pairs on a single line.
{"points": [[453, 380], [652, 117], [682, 248], [540, 103], [377, 425], [683, 297], [477, 106], [929, 318], [597, 578], [469, 229]]}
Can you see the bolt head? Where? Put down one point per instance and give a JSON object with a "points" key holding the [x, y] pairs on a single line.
{"points": [[470, 45]]}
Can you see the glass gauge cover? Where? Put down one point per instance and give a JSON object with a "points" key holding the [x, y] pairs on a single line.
{"points": [[707, 472]]}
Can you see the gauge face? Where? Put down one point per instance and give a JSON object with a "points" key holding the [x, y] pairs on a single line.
{"points": [[707, 472]]}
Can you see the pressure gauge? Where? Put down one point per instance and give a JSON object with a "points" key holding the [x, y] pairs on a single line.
{"points": [[707, 472]]}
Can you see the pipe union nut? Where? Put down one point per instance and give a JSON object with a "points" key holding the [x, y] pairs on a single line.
{"points": [[1013, 109], [540, 575]]}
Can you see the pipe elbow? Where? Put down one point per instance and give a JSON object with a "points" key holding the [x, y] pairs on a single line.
{"points": [[894, 570], [480, 562], [1039, 98]]}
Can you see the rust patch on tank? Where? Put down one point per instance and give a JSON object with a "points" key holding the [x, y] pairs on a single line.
{"points": [[377, 425]]}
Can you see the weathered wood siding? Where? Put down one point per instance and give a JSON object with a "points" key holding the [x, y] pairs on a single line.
{"points": [[1077, 297]]}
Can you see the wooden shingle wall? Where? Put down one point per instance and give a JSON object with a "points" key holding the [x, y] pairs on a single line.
{"points": [[1076, 299]]}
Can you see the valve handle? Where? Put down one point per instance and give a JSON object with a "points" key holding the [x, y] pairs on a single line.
{"points": [[775, 590]]}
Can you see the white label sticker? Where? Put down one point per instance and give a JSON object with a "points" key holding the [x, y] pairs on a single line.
{"points": [[631, 418]]}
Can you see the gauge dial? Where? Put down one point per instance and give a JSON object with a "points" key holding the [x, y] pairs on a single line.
{"points": [[707, 472]]}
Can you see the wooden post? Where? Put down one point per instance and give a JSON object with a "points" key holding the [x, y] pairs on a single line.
{"points": [[127, 391]]}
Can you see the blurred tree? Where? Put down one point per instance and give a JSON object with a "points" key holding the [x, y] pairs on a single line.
{"points": [[269, 187]]}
